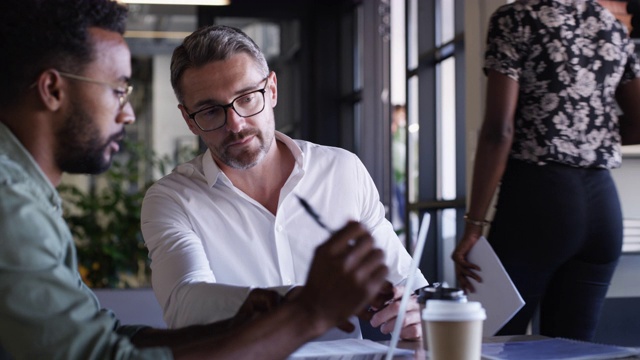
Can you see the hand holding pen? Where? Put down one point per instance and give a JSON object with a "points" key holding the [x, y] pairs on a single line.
{"points": [[384, 308], [345, 326]]}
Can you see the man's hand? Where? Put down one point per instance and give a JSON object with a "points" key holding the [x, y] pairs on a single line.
{"points": [[346, 274], [385, 314]]}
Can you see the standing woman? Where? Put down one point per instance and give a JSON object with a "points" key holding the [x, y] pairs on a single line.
{"points": [[551, 132]]}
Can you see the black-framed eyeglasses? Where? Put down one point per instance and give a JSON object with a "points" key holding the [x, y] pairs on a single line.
{"points": [[122, 92], [246, 105]]}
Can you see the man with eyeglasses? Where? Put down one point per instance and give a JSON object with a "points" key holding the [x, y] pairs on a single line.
{"points": [[226, 232], [64, 105]]}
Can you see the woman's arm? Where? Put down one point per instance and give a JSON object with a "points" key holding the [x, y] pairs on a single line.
{"points": [[492, 153]]}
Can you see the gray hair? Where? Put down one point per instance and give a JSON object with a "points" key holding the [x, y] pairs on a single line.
{"points": [[209, 44]]}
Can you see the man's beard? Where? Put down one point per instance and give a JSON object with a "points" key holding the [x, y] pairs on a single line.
{"points": [[246, 159], [80, 148]]}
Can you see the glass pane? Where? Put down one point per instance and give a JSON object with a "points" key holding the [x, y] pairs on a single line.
{"points": [[412, 139], [398, 54], [359, 43], [449, 237], [414, 222], [412, 35], [398, 164], [447, 127], [357, 126], [447, 22], [398, 115], [152, 35]]}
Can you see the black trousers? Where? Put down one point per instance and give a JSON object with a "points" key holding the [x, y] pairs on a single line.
{"points": [[558, 232]]}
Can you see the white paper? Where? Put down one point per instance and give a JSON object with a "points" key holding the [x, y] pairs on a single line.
{"points": [[497, 294], [346, 349]]}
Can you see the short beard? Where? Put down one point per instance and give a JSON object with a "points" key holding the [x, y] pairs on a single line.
{"points": [[245, 160], [80, 148]]}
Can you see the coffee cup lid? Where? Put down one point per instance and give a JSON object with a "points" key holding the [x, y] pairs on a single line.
{"points": [[436, 291], [444, 310]]}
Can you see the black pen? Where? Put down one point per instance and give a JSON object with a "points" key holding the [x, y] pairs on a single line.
{"points": [[314, 214]]}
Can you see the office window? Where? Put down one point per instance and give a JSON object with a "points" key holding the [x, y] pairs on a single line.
{"points": [[435, 146]]}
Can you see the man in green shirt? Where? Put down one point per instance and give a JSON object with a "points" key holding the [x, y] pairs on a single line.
{"points": [[63, 107]]}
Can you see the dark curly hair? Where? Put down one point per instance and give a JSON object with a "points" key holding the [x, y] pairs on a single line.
{"points": [[39, 34]]}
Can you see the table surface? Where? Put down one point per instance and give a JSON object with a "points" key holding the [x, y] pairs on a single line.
{"points": [[420, 354]]}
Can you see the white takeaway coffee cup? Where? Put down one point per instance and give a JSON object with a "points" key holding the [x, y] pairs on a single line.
{"points": [[454, 329]]}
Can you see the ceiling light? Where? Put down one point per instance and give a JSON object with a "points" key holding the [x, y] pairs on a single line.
{"points": [[179, 2]]}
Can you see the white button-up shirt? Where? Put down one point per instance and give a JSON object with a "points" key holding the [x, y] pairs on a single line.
{"points": [[210, 243]]}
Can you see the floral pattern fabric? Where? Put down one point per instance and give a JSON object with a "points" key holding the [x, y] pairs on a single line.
{"points": [[569, 57]]}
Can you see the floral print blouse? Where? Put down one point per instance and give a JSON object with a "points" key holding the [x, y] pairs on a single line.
{"points": [[568, 56]]}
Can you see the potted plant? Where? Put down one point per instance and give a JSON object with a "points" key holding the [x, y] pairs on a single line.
{"points": [[105, 219]]}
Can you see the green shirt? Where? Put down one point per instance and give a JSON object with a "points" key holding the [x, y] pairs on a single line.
{"points": [[46, 311]]}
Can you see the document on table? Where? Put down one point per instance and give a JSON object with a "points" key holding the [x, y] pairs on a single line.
{"points": [[554, 348], [497, 294], [346, 349]]}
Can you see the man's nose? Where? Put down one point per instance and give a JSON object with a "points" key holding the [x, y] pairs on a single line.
{"points": [[235, 122], [126, 115]]}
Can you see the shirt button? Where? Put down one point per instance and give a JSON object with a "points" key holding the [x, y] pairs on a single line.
{"points": [[279, 228]]}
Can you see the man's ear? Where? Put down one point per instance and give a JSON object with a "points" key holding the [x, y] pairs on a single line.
{"points": [[51, 89], [273, 88], [190, 123]]}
